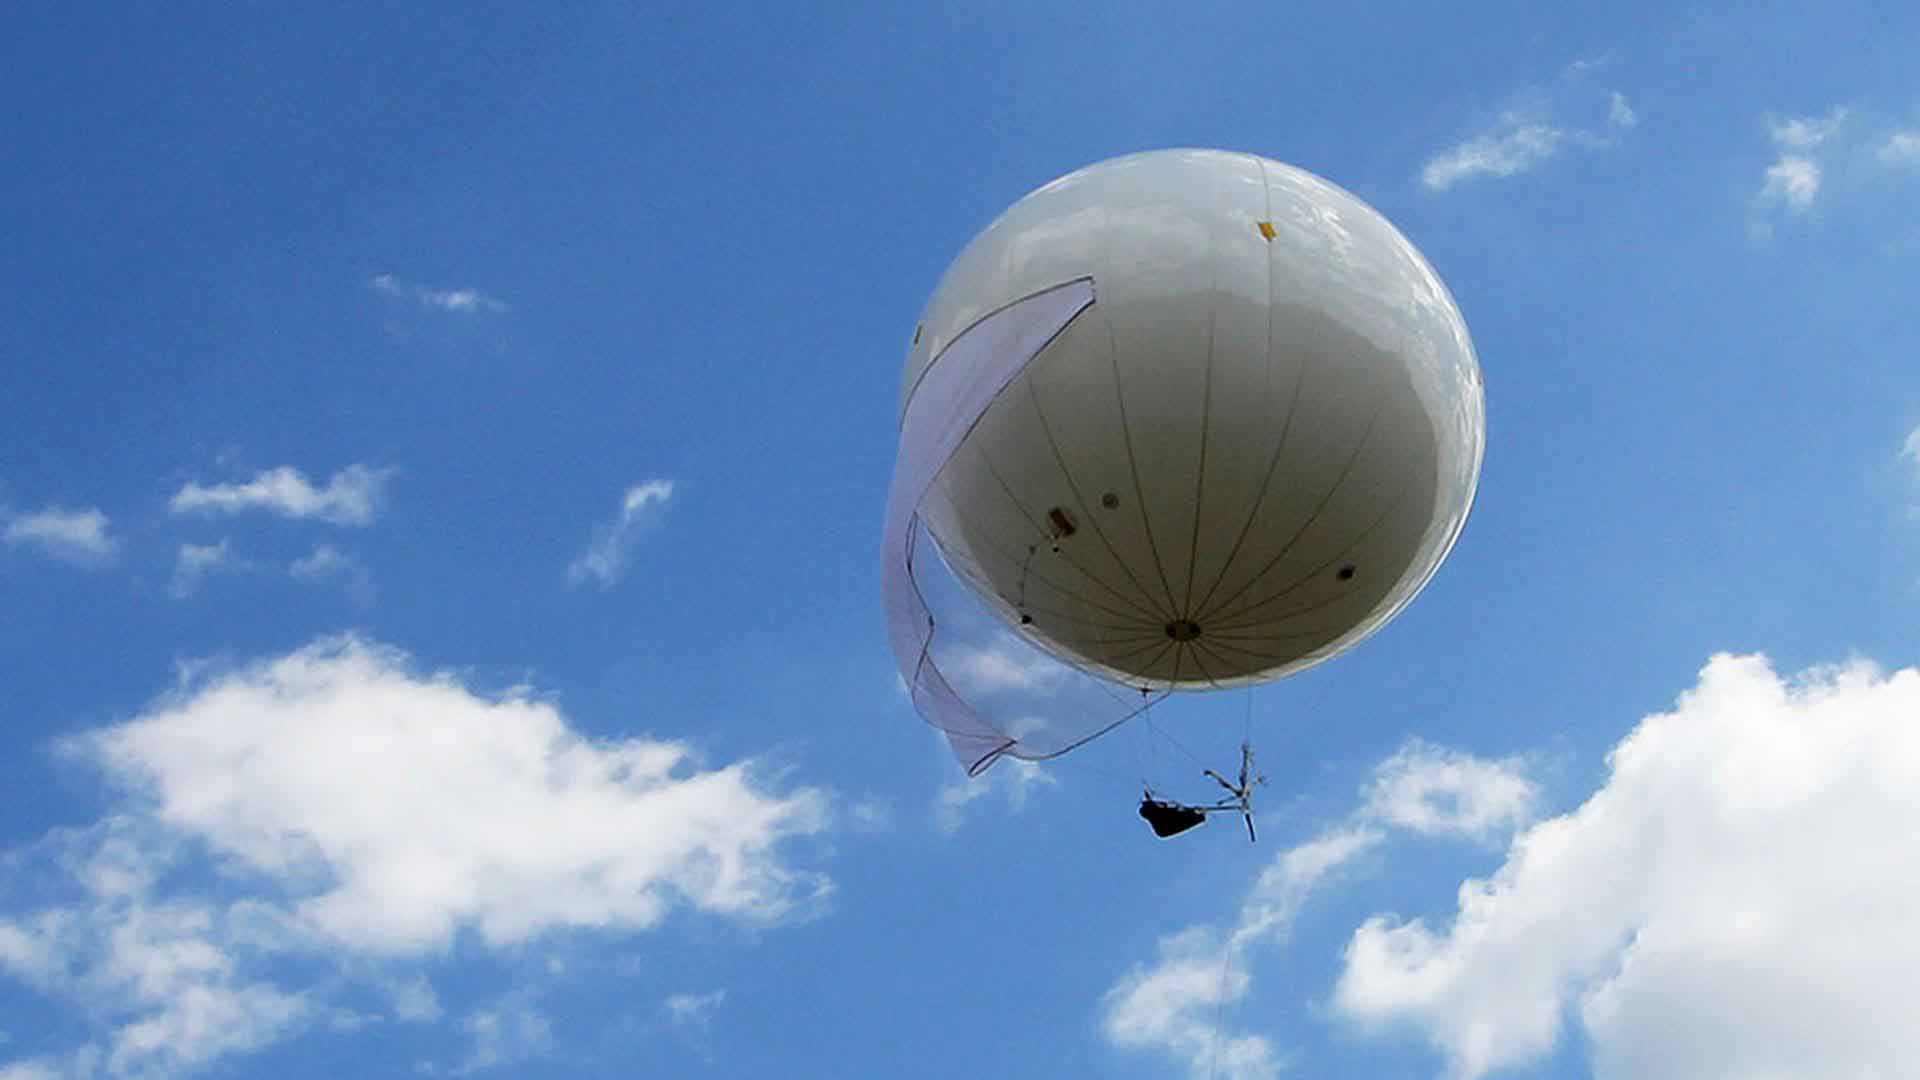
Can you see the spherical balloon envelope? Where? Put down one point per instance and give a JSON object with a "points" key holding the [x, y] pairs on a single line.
{"points": [[1205, 419]]}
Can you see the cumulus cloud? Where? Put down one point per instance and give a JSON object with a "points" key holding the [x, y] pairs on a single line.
{"points": [[1173, 1005], [605, 560], [351, 496], [1520, 140], [337, 808], [459, 301], [1910, 451], [75, 536], [194, 562], [1433, 790], [1792, 182], [1735, 900]]}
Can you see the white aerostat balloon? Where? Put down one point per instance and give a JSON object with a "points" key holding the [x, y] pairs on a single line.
{"points": [[1183, 419]]}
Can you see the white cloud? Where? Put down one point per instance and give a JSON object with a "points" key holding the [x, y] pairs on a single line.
{"points": [[324, 561], [360, 815], [683, 1009], [1807, 132], [605, 560], [1175, 1005], [194, 563], [350, 498], [1910, 450], [690, 1018], [1900, 148], [327, 563], [1000, 664], [1520, 140], [1433, 790], [1620, 115], [1793, 179], [1013, 780], [1512, 147], [76, 536], [454, 300], [507, 1031], [1735, 901]]}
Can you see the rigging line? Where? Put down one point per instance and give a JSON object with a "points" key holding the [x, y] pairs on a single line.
{"points": [[1345, 552], [1279, 616], [1206, 419], [1204, 673], [1133, 462], [1090, 736], [1220, 1004], [1220, 658], [1268, 659], [1144, 609], [1091, 519], [1202, 647], [1345, 471], [993, 547], [1286, 426], [1171, 741], [1149, 665]]}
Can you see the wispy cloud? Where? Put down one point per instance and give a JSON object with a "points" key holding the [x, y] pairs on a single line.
{"points": [[346, 864], [1748, 840], [507, 1031], [454, 300], [1792, 181], [605, 560], [326, 563], [683, 1009], [1012, 780], [1174, 1005], [1000, 663], [73, 536], [322, 562], [1900, 148], [690, 1016], [1521, 139], [194, 562], [351, 496]]}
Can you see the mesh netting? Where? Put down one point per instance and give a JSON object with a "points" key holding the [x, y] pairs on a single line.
{"points": [[961, 666]]}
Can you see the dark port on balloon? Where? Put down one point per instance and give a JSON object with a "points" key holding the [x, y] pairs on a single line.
{"points": [[1183, 629], [1061, 523], [1110, 501], [1346, 573]]}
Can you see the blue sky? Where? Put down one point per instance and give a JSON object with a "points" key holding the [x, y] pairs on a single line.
{"points": [[441, 476]]}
